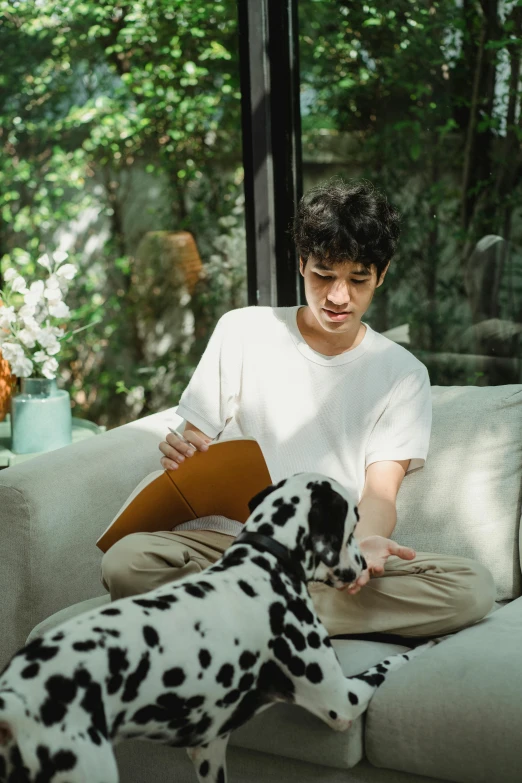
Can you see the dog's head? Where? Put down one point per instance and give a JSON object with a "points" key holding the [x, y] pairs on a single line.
{"points": [[314, 517]]}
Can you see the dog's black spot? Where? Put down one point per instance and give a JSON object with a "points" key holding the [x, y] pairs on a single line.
{"points": [[246, 682], [110, 631], [247, 707], [57, 637], [258, 517], [295, 636], [353, 698], [266, 530], [92, 703], [282, 650], [372, 679], [225, 675], [62, 761], [247, 659], [220, 775], [274, 682], [333, 715], [61, 691], [173, 677], [150, 635], [194, 590], [85, 646], [276, 613], [296, 499], [247, 589], [118, 663], [298, 607], [135, 678], [118, 721], [149, 603], [314, 673], [37, 650], [232, 696], [327, 642], [296, 666], [285, 512], [314, 640], [30, 671], [205, 658], [204, 769], [112, 610], [262, 562]]}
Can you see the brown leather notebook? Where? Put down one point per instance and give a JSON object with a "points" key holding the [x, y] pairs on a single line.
{"points": [[219, 481]]}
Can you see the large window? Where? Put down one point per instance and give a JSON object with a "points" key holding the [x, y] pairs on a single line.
{"points": [[422, 97], [121, 145]]}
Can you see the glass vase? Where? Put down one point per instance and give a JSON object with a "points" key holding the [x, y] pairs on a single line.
{"points": [[41, 417]]}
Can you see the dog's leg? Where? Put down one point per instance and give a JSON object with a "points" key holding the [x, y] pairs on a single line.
{"points": [[338, 700], [210, 760]]}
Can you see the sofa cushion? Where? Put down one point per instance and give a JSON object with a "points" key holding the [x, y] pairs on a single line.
{"points": [[466, 500], [455, 712], [284, 729]]}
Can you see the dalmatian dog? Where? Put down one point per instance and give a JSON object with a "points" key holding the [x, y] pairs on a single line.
{"points": [[191, 661]]}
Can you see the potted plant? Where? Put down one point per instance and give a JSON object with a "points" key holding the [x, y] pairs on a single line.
{"points": [[33, 320]]}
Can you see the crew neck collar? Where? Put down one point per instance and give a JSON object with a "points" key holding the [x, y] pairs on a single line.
{"points": [[318, 358]]}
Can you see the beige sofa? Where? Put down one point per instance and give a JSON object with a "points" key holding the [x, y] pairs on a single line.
{"points": [[453, 714]]}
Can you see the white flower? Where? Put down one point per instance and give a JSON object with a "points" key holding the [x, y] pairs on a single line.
{"points": [[59, 256], [52, 293], [34, 295], [26, 313], [19, 285], [40, 356], [45, 261], [27, 338], [67, 271], [49, 368], [12, 352], [22, 367], [59, 310], [10, 274], [47, 340], [7, 316]]}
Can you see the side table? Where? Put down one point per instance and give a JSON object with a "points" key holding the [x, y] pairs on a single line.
{"points": [[81, 429]]}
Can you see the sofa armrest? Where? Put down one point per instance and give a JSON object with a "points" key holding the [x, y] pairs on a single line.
{"points": [[52, 510]]}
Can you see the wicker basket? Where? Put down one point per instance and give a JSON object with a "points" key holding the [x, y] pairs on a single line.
{"points": [[7, 384]]}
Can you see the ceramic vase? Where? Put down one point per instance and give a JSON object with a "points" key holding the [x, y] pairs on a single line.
{"points": [[41, 417]]}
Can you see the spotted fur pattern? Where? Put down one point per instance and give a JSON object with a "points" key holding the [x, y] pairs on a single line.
{"points": [[191, 661]]}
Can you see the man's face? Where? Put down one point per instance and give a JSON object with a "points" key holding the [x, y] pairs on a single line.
{"points": [[344, 288]]}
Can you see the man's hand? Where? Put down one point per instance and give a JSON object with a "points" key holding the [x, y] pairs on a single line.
{"points": [[376, 550]]}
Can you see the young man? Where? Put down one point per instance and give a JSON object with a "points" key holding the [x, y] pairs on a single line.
{"points": [[321, 391]]}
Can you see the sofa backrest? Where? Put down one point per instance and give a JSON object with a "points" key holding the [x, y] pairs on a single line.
{"points": [[466, 499]]}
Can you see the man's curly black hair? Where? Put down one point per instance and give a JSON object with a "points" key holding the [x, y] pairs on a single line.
{"points": [[347, 221]]}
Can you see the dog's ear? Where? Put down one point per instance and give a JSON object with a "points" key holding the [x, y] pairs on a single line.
{"points": [[254, 502], [326, 520]]}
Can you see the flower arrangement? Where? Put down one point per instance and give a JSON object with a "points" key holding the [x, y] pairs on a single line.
{"points": [[32, 317]]}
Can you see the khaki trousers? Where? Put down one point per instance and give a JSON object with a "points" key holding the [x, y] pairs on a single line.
{"points": [[428, 596]]}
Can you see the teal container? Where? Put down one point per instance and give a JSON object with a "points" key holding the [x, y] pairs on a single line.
{"points": [[41, 418]]}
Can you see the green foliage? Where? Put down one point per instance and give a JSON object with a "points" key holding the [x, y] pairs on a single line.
{"points": [[89, 91], [429, 95]]}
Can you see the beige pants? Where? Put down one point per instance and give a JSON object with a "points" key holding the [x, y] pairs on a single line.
{"points": [[429, 596]]}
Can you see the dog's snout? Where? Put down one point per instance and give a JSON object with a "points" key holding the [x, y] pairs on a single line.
{"points": [[346, 575]]}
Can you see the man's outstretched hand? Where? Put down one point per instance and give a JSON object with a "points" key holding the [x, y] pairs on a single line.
{"points": [[376, 550]]}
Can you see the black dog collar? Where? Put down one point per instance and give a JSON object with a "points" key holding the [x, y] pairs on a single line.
{"points": [[278, 550]]}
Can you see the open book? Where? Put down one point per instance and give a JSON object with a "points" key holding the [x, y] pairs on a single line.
{"points": [[219, 481]]}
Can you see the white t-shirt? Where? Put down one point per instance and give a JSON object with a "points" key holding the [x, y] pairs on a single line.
{"points": [[309, 412]]}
